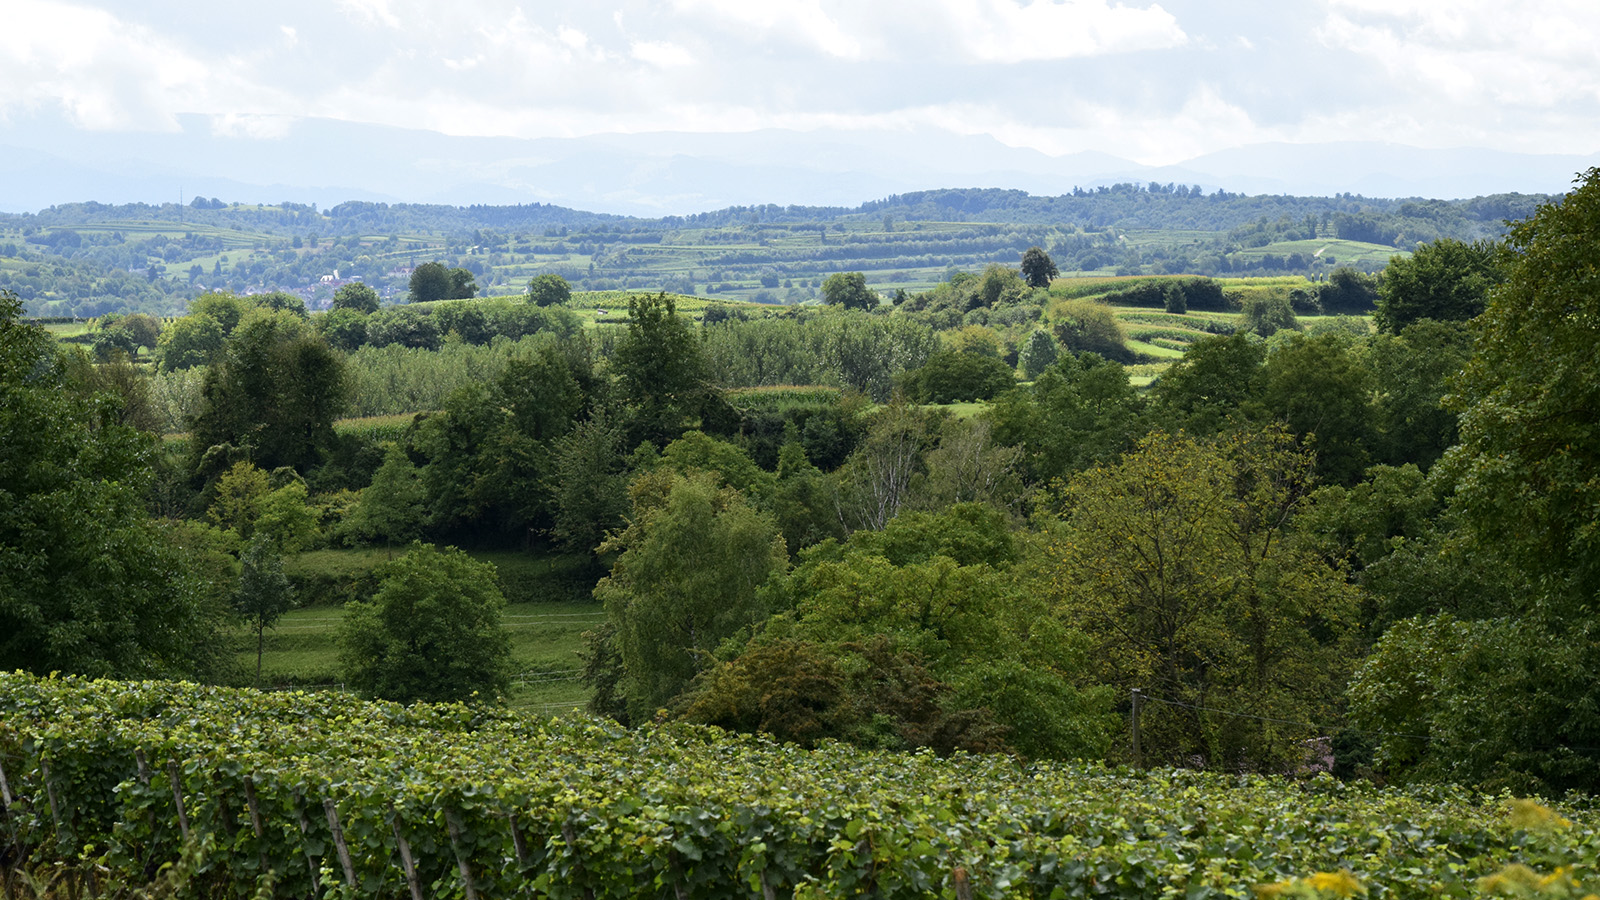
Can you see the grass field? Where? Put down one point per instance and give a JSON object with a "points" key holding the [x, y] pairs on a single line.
{"points": [[545, 639]]}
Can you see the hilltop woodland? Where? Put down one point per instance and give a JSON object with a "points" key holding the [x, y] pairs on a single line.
{"points": [[88, 259], [1355, 509]]}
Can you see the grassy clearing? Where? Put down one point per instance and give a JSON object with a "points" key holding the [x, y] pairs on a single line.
{"points": [[545, 640], [334, 577]]}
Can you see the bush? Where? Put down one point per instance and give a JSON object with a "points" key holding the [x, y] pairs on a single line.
{"points": [[433, 632], [952, 377]]}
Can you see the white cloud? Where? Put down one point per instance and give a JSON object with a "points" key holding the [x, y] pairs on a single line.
{"points": [[104, 72], [372, 12], [801, 21], [1476, 55], [1006, 31], [664, 54]]}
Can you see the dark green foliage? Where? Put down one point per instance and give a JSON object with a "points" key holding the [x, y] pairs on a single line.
{"points": [[661, 372], [849, 290], [910, 637], [432, 632], [1038, 268], [548, 290], [1348, 292], [590, 490], [1079, 412], [356, 297], [1416, 369], [1217, 379], [1319, 389], [343, 329], [953, 377], [1447, 280], [88, 581], [430, 281], [406, 326], [1266, 316], [1038, 353], [272, 397], [1168, 293]]}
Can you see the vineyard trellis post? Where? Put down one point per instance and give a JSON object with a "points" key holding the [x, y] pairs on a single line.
{"points": [[1138, 753]]}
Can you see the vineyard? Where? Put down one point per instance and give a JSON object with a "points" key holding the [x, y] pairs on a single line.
{"points": [[296, 795]]}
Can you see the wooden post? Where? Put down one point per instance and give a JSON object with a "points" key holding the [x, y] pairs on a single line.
{"points": [[255, 821], [338, 841], [55, 811], [767, 893], [311, 858], [962, 884], [406, 862], [454, 822], [1138, 753], [516, 841], [5, 788], [177, 797]]}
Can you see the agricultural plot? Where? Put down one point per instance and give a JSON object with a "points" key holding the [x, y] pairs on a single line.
{"points": [[244, 792]]}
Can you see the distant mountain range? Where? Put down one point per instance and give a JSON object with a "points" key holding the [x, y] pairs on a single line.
{"points": [[44, 162]]}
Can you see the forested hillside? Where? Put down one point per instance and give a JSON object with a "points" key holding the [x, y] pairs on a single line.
{"points": [[88, 259]]}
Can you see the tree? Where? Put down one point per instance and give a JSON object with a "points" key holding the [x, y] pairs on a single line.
{"points": [[391, 509], [462, 285], [661, 371], [952, 377], [1180, 563], [1511, 699], [430, 281], [343, 329], [1084, 326], [1447, 281], [264, 593], [89, 583], [690, 562], [432, 632], [1348, 291], [190, 341], [549, 289], [849, 290], [1317, 387], [272, 396], [356, 297], [1038, 268], [1266, 316], [1038, 352]]}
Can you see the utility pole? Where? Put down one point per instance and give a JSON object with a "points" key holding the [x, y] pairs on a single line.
{"points": [[1138, 755]]}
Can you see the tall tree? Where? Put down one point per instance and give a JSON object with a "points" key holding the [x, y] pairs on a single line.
{"points": [[1038, 268], [849, 289], [264, 593], [430, 281], [661, 371], [548, 289], [691, 559], [1180, 562], [270, 398], [1447, 280], [89, 583], [356, 297]]}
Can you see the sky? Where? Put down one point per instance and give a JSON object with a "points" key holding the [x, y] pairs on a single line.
{"points": [[1157, 83]]}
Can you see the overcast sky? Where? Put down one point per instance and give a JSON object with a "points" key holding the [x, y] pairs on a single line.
{"points": [[1153, 82]]}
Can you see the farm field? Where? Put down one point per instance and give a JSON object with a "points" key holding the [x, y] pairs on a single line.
{"points": [[505, 804]]}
